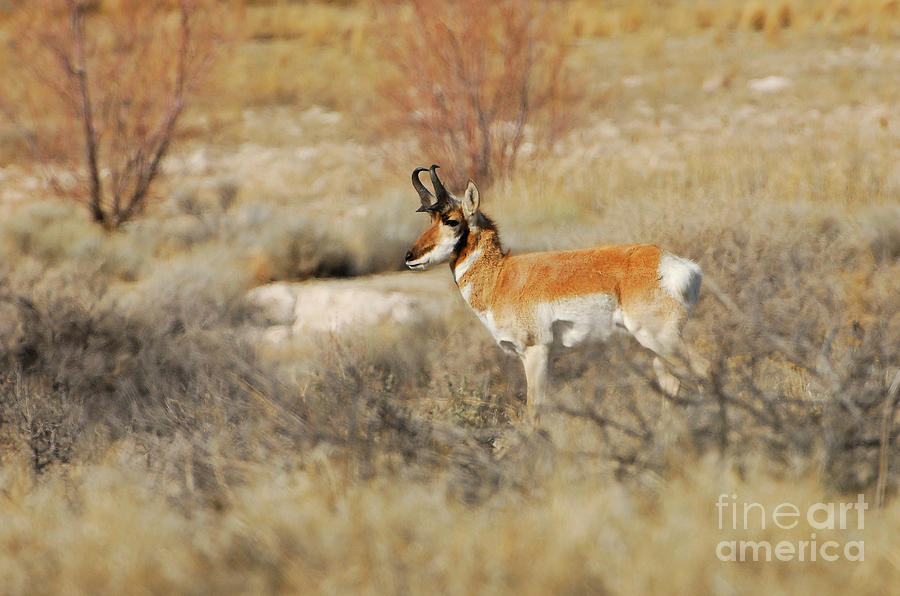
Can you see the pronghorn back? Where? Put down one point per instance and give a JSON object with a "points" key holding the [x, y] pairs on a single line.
{"points": [[538, 303], [631, 272]]}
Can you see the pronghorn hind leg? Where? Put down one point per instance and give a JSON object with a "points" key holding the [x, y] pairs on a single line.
{"points": [[678, 357], [668, 382], [664, 339], [536, 361]]}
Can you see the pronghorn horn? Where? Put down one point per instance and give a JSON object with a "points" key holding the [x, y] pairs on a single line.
{"points": [[442, 195], [424, 194]]}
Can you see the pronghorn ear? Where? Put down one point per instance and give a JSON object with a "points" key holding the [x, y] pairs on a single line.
{"points": [[471, 200]]}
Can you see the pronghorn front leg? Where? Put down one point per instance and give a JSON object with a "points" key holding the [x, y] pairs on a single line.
{"points": [[536, 360]]}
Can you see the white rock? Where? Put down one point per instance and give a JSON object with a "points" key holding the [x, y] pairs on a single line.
{"points": [[277, 301], [771, 84], [335, 309]]}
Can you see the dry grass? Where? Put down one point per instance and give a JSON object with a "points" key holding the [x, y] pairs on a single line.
{"points": [[148, 444], [314, 530]]}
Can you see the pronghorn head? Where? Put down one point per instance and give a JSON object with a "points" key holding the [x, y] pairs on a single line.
{"points": [[451, 221]]}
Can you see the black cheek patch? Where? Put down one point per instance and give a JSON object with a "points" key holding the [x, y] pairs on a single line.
{"points": [[461, 241]]}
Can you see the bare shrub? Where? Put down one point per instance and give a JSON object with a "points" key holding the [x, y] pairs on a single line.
{"points": [[478, 80], [86, 365], [48, 426], [800, 375], [800, 371], [79, 361], [103, 91]]}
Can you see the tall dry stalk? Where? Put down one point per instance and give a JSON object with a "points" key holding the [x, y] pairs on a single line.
{"points": [[887, 422]]}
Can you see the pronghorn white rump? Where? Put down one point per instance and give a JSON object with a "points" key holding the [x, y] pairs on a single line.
{"points": [[538, 304]]}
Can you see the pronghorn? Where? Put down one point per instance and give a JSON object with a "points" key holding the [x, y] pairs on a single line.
{"points": [[538, 304]]}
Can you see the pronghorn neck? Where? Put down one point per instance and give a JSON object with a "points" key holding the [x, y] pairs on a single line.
{"points": [[477, 263]]}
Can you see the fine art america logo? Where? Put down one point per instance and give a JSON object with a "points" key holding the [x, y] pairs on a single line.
{"points": [[753, 517]]}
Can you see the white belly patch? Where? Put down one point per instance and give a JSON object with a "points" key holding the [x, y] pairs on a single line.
{"points": [[561, 324], [579, 320]]}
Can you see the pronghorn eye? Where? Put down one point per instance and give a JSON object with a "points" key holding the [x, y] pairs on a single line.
{"points": [[451, 222]]}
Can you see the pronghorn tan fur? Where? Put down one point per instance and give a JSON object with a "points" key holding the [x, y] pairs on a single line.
{"points": [[538, 304]]}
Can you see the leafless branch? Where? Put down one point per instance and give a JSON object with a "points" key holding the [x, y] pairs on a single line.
{"points": [[483, 79], [125, 77], [887, 421]]}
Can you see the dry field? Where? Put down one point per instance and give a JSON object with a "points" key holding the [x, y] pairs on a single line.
{"points": [[161, 433]]}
